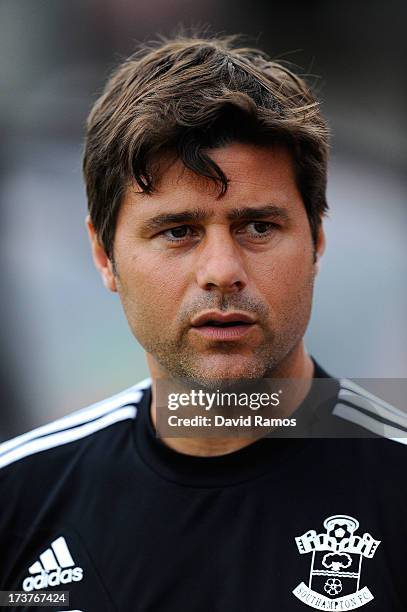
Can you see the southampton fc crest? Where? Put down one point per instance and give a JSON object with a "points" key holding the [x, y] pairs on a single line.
{"points": [[336, 565]]}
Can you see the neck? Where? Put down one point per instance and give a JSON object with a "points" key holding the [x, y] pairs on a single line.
{"points": [[297, 365]]}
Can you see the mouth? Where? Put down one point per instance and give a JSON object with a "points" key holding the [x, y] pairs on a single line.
{"points": [[219, 326]]}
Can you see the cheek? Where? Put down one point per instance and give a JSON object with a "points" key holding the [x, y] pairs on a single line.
{"points": [[286, 280], [150, 289]]}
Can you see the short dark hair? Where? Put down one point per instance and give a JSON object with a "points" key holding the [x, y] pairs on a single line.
{"points": [[188, 95]]}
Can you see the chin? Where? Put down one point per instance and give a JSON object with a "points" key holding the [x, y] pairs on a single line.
{"points": [[224, 376]]}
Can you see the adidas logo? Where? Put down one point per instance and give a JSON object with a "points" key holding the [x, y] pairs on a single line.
{"points": [[54, 567]]}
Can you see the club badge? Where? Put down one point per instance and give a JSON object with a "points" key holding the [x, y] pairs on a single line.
{"points": [[336, 565]]}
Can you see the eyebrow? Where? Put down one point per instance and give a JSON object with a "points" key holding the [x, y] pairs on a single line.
{"points": [[259, 212], [200, 214]]}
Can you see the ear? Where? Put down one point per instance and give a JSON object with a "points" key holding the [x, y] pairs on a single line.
{"points": [[320, 248], [101, 260]]}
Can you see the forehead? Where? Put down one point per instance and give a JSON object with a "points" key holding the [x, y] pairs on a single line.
{"points": [[255, 174]]}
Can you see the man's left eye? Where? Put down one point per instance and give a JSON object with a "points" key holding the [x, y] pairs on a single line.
{"points": [[259, 228]]}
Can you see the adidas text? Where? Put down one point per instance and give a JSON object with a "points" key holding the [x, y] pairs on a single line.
{"points": [[46, 579]]}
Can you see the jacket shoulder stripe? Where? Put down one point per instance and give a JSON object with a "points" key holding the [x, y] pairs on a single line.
{"points": [[348, 386], [354, 415], [68, 435], [374, 410], [359, 406], [132, 395], [375, 415]]}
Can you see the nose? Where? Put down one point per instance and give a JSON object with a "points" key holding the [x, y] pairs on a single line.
{"points": [[220, 264]]}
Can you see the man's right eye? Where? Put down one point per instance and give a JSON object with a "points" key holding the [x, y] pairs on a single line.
{"points": [[176, 234]]}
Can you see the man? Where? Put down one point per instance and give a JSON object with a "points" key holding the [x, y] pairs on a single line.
{"points": [[205, 167]]}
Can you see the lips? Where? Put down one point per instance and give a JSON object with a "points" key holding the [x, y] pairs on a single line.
{"points": [[220, 319], [220, 326]]}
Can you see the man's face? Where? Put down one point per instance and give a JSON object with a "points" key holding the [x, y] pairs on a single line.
{"points": [[185, 258]]}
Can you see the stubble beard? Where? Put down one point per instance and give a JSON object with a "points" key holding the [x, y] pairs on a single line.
{"points": [[183, 362]]}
